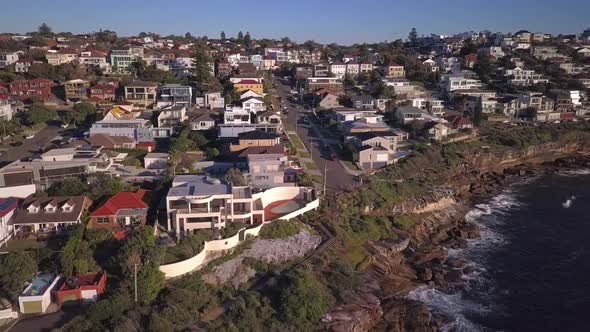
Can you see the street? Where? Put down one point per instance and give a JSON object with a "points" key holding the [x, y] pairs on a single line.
{"points": [[316, 143], [29, 146]]}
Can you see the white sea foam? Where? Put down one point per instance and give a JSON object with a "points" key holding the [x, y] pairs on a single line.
{"points": [[575, 172], [489, 217]]}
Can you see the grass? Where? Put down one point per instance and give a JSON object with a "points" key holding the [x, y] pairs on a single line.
{"points": [[26, 244], [304, 154], [311, 166], [279, 229], [349, 164], [296, 141]]}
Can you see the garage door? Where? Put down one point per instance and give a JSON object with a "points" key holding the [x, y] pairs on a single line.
{"points": [[32, 307]]}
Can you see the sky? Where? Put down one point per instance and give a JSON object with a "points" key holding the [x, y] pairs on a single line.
{"points": [[325, 21]]}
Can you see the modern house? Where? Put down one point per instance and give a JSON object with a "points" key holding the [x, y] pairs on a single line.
{"points": [[210, 100], [103, 92], [333, 84], [363, 101], [253, 104], [8, 58], [36, 298], [82, 289], [50, 214], [172, 116], [141, 94], [175, 95], [329, 101], [199, 202], [60, 57], [521, 77], [395, 71], [454, 83], [55, 165], [266, 165], [111, 142], [338, 69], [76, 90], [121, 59], [408, 114], [125, 210], [374, 150]]}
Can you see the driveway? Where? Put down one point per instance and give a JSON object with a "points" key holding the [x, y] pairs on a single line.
{"points": [[319, 146]]}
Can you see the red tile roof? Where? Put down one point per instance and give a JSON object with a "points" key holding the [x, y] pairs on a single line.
{"points": [[122, 200]]}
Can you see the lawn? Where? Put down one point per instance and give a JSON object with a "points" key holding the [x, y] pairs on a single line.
{"points": [[350, 165], [304, 154], [296, 141], [26, 244]]}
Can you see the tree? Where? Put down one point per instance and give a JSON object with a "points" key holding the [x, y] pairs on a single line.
{"points": [[76, 256], [477, 112], [212, 153], [413, 37], [197, 138], [45, 30], [188, 36], [235, 177], [201, 64], [222, 36], [303, 301], [483, 67], [247, 40], [17, 268], [82, 113], [68, 187], [240, 37], [39, 114]]}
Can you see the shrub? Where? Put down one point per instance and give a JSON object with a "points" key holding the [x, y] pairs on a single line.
{"points": [[279, 229]]}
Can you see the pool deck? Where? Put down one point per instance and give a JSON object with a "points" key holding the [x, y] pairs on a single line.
{"points": [[278, 209]]}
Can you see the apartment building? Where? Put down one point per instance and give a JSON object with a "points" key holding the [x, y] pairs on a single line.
{"points": [[121, 59], [332, 84], [454, 83], [395, 71], [8, 58], [175, 95], [141, 94], [60, 57], [172, 116], [25, 89], [77, 90], [522, 77]]}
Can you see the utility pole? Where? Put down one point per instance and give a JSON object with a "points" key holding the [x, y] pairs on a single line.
{"points": [[325, 177], [135, 272]]}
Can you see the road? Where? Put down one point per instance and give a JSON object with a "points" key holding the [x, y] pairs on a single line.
{"points": [[30, 146], [314, 139]]}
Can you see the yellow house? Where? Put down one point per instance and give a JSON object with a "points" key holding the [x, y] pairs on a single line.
{"points": [[245, 85]]}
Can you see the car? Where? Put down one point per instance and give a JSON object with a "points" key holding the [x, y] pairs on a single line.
{"points": [[334, 156], [30, 136]]}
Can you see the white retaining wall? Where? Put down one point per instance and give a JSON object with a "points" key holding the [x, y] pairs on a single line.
{"points": [[188, 265]]}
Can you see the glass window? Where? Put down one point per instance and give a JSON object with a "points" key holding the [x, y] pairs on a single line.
{"points": [[102, 220]]}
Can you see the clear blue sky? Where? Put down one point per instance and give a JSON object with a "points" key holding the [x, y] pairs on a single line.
{"points": [[341, 21]]}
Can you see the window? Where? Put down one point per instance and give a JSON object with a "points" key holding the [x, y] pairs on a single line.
{"points": [[102, 220]]}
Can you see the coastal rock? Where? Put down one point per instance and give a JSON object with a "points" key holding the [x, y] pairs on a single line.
{"points": [[453, 276], [456, 262], [430, 254], [360, 314], [407, 315], [426, 275]]}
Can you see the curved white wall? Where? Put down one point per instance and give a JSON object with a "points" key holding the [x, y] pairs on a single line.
{"points": [[279, 194]]}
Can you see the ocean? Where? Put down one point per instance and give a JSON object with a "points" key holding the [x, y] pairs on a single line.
{"points": [[531, 264]]}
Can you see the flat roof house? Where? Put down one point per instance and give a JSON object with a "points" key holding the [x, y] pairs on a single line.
{"points": [[77, 89], [36, 298], [125, 210], [141, 94], [175, 95], [83, 288], [8, 207]]}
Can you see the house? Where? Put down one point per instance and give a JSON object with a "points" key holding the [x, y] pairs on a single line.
{"points": [[250, 93], [77, 90], [387, 140], [439, 131], [111, 142], [453, 83], [201, 120], [329, 83], [395, 71], [451, 64], [23, 65], [141, 94], [338, 69], [8, 58], [321, 70], [269, 117], [369, 157], [253, 104], [210, 100], [175, 95], [245, 85], [431, 64], [6, 111], [470, 60], [119, 122], [103, 91], [353, 68], [364, 101], [246, 68], [124, 210], [266, 165], [8, 207], [329, 101], [50, 214], [25, 89], [121, 59], [200, 202], [83, 288], [60, 57], [522, 77], [155, 160], [302, 71], [36, 298], [401, 86], [172, 116], [368, 123], [224, 69], [255, 138], [408, 114], [366, 67], [459, 122], [583, 51], [236, 120], [343, 115], [95, 59]]}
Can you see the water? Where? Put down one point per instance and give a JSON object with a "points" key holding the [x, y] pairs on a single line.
{"points": [[532, 262]]}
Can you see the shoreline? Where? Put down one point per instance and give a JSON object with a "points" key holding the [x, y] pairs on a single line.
{"points": [[381, 301]]}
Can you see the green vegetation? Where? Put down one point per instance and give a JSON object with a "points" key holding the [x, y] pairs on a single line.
{"points": [[83, 113], [77, 256], [96, 186], [39, 114], [17, 268], [295, 140], [235, 177], [279, 229], [189, 246]]}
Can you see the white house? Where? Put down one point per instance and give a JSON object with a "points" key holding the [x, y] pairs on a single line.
{"points": [[253, 104], [7, 209], [155, 160], [338, 69]]}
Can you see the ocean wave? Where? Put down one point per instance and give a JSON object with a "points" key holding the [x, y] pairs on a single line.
{"points": [[453, 306], [574, 172]]}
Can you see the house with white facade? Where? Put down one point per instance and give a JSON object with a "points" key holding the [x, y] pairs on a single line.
{"points": [[338, 69]]}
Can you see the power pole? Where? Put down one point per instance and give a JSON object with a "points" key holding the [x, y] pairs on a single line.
{"points": [[325, 177], [135, 273]]}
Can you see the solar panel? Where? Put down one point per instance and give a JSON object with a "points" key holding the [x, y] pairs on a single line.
{"points": [[6, 203]]}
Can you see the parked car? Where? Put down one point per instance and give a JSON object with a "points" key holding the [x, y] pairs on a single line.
{"points": [[30, 136]]}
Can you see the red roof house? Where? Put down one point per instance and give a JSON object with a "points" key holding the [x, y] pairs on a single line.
{"points": [[124, 210]]}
